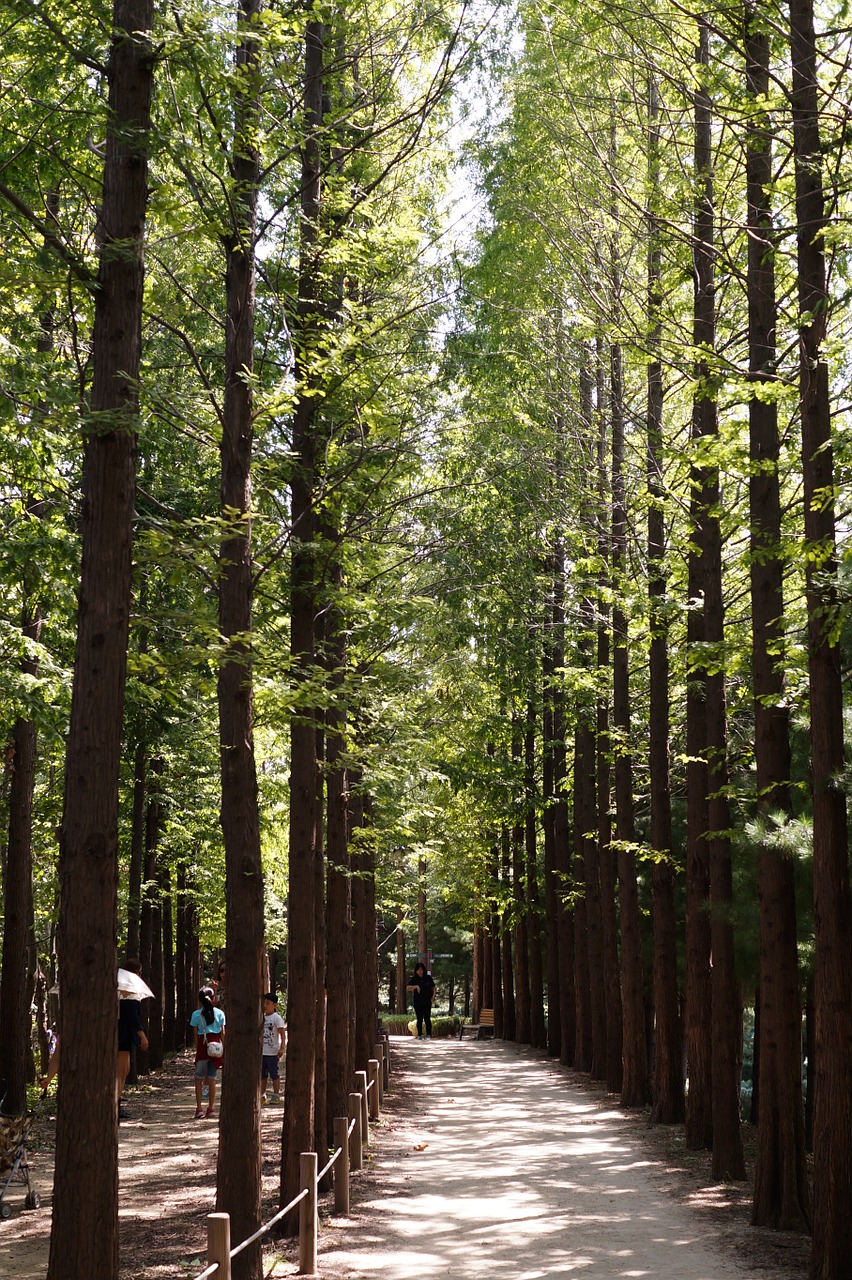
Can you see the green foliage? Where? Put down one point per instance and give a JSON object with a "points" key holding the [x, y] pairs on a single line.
{"points": [[443, 1027]]}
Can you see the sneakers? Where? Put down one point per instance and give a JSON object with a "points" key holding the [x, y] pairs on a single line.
{"points": [[209, 1113], [263, 1099], [199, 1113], [276, 1097]]}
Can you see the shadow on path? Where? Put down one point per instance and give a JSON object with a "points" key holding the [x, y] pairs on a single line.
{"points": [[520, 1177]]}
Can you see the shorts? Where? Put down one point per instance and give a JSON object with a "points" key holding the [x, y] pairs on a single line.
{"points": [[206, 1068], [270, 1066]]}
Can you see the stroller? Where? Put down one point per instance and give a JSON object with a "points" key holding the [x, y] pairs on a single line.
{"points": [[14, 1131]]}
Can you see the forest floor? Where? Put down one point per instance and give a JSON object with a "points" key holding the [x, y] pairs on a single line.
{"points": [[488, 1161]]}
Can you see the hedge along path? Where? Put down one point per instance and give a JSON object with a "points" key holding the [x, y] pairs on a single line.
{"points": [[504, 1170]]}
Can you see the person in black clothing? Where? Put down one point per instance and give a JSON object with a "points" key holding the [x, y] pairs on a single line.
{"points": [[130, 1036], [422, 986]]}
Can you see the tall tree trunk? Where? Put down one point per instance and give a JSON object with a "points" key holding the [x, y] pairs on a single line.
{"points": [[401, 1004], [496, 941], [299, 1081], [583, 738], [137, 852], [150, 895], [523, 1032], [85, 1192], [667, 1091], [320, 940], [422, 914], [832, 1219], [340, 1059], [487, 969], [699, 1045], [551, 882], [169, 1036], [154, 1007], [16, 986], [367, 991], [728, 1159], [634, 1084], [508, 984], [238, 1171], [538, 1030], [561, 827], [781, 1193], [605, 741], [477, 976], [20, 969]]}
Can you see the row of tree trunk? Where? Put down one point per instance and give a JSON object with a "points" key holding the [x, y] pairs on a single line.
{"points": [[626, 1022]]}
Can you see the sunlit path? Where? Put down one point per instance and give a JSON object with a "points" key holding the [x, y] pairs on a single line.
{"points": [[520, 1177]]}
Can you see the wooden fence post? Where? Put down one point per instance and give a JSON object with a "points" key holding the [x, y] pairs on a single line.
{"points": [[373, 1070], [379, 1055], [308, 1214], [356, 1144], [341, 1166], [219, 1243], [361, 1084], [386, 1061]]}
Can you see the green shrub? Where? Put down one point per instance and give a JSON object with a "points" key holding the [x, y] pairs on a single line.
{"points": [[444, 1027]]}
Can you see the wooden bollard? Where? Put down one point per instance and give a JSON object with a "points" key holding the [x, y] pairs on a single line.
{"points": [[308, 1214], [386, 1062], [219, 1243], [356, 1145], [379, 1055], [361, 1086], [374, 1072], [341, 1166]]}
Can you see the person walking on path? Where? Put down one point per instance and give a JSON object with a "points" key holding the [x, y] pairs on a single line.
{"points": [[273, 1047], [130, 1036], [208, 1026], [422, 986]]}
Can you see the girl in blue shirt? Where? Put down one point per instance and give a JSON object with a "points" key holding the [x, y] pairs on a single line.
{"points": [[208, 1023]]}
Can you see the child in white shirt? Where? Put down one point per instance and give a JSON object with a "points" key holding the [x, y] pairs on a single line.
{"points": [[273, 1046]]}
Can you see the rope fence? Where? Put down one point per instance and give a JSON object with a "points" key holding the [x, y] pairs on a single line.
{"points": [[351, 1138]]}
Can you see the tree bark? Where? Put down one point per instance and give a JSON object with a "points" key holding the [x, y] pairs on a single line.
{"points": [[299, 1099], [551, 883], [340, 1053], [699, 1046], [137, 852], [538, 1030], [238, 1186], [85, 1193], [728, 1161], [508, 984], [523, 1033], [561, 826], [668, 1085], [16, 980], [609, 586], [832, 1220], [781, 1193], [582, 987]]}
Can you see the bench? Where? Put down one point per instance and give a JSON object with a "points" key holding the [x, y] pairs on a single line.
{"points": [[481, 1030]]}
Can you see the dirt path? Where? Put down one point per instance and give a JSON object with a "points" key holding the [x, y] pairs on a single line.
{"points": [[167, 1184], [488, 1161], [507, 1167]]}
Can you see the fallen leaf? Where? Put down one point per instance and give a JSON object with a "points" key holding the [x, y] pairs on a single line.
{"points": [[421, 1146]]}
